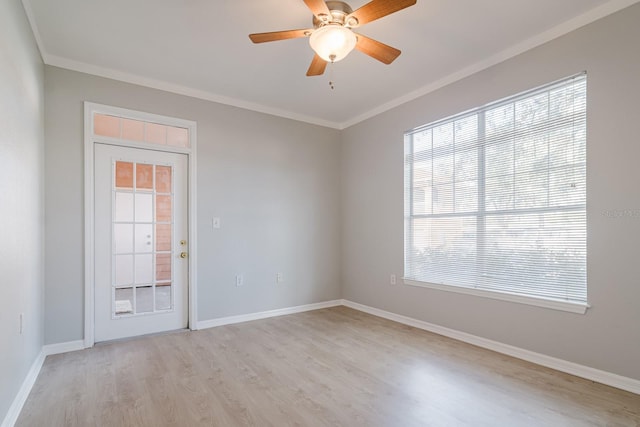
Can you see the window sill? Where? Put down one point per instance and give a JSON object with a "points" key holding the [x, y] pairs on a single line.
{"points": [[572, 307]]}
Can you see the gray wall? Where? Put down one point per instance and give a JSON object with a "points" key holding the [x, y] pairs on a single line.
{"points": [[608, 336], [21, 200], [294, 199], [273, 182]]}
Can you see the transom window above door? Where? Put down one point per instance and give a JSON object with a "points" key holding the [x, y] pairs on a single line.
{"points": [[140, 131]]}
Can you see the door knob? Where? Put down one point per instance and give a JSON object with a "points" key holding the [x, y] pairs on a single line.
{"points": [[183, 254]]}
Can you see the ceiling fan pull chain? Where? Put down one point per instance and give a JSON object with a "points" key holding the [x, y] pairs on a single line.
{"points": [[331, 76]]}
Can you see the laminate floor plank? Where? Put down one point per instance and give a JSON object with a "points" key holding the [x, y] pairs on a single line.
{"points": [[331, 367]]}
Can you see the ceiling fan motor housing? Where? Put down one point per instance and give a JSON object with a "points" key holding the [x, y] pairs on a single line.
{"points": [[339, 12]]}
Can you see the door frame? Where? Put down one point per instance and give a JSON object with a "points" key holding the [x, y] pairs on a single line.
{"points": [[89, 197]]}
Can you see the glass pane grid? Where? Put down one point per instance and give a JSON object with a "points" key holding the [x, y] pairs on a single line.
{"points": [[140, 131], [142, 264], [518, 167]]}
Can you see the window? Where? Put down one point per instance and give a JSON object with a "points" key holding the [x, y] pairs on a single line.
{"points": [[139, 131], [495, 199]]}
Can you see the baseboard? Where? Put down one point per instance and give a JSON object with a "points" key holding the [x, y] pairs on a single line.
{"points": [[592, 374], [15, 408], [63, 347], [47, 350], [204, 324]]}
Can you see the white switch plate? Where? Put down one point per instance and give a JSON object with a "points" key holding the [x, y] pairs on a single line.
{"points": [[215, 222], [239, 280], [279, 278]]}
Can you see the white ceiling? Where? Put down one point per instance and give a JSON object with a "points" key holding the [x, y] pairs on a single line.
{"points": [[200, 48]]}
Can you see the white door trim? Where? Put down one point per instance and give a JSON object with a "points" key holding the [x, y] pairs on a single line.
{"points": [[89, 141]]}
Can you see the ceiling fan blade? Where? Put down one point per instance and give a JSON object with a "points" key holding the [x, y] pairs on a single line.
{"points": [[377, 50], [317, 66], [377, 9], [278, 35], [319, 8]]}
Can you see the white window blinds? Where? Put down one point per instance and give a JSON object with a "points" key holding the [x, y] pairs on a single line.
{"points": [[495, 198]]}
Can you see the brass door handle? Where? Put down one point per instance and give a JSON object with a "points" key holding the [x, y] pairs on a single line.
{"points": [[183, 254]]}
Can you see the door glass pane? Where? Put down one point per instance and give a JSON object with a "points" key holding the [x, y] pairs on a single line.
{"points": [[163, 208], [163, 296], [144, 269], [144, 177], [163, 237], [123, 238], [144, 299], [163, 267], [163, 179], [142, 235], [124, 175], [144, 238], [144, 207], [124, 269], [124, 207], [123, 301]]}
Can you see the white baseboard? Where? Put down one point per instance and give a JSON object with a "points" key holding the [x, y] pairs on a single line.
{"points": [[47, 350], [15, 408], [204, 324], [613, 380], [63, 347], [607, 378]]}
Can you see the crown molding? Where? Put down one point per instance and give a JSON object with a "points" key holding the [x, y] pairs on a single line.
{"points": [[540, 39], [515, 50], [110, 73]]}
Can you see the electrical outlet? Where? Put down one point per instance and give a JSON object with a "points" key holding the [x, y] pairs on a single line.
{"points": [[392, 279], [279, 278], [239, 280]]}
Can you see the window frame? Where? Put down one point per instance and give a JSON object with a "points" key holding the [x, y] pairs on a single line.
{"points": [[480, 212]]}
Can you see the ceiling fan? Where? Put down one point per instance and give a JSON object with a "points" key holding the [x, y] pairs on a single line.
{"points": [[332, 37]]}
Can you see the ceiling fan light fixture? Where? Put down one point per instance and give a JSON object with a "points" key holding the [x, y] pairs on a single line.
{"points": [[332, 42], [331, 36]]}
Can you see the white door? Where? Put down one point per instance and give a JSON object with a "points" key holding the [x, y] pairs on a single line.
{"points": [[141, 248]]}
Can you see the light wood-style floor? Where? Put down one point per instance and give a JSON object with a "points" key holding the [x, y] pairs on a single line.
{"points": [[336, 367]]}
